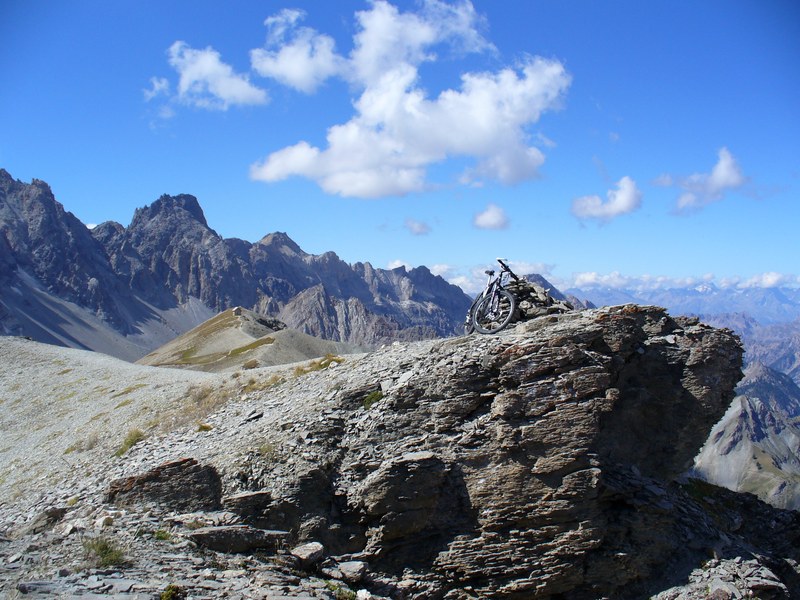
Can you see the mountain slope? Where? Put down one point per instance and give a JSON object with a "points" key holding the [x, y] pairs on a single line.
{"points": [[756, 445], [238, 338]]}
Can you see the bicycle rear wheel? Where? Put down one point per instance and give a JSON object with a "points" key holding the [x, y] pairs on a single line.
{"points": [[494, 313]]}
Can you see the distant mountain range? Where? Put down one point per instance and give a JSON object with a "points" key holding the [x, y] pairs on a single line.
{"points": [[756, 446], [766, 319], [127, 290]]}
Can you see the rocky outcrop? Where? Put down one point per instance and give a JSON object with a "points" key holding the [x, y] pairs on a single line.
{"points": [[182, 485], [534, 463], [539, 462]]}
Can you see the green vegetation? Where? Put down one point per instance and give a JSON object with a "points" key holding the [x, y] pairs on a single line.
{"points": [[162, 535], [371, 398], [103, 552], [134, 437], [173, 592], [317, 365], [268, 451], [340, 592]]}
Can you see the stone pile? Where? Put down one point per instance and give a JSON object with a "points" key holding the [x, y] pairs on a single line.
{"points": [[533, 300]]}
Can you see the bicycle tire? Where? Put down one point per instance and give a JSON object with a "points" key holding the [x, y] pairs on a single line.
{"points": [[488, 319], [469, 327]]}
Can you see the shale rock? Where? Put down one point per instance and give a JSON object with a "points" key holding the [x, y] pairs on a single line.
{"points": [[543, 462], [183, 485]]}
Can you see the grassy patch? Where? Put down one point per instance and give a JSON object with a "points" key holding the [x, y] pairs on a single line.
{"points": [[134, 437], [317, 365], [199, 402], [174, 592], [83, 444], [103, 552], [263, 341], [254, 385], [268, 451], [371, 398], [340, 592], [129, 389]]}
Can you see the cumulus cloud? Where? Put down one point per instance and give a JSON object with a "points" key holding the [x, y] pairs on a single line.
{"points": [[625, 199], [417, 227], [207, 82], [398, 131], [493, 217], [303, 62], [701, 189]]}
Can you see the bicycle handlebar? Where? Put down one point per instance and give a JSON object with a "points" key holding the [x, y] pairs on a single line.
{"points": [[507, 269]]}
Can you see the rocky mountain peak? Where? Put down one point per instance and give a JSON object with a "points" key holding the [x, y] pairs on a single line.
{"points": [[774, 388], [281, 241], [181, 207]]}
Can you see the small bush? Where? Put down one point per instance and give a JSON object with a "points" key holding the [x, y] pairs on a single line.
{"points": [[134, 437], [162, 535], [103, 552], [341, 592], [371, 398], [83, 444], [173, 592]]}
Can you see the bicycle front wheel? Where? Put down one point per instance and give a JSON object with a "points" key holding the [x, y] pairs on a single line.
{"points": [[494, 313]]}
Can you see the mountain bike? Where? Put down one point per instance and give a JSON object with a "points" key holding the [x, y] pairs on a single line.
{"points": [[495, 307]]}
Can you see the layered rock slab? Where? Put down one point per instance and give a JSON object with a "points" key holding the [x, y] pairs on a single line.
{"points": [[531, 463]]}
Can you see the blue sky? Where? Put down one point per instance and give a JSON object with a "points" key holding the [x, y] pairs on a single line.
{"points": [[621, 142]]}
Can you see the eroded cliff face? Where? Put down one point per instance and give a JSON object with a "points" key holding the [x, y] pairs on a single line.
{"points": [[536, 462]]}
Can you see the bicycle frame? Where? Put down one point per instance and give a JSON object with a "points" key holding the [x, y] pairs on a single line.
{"points": [[494, 283]]}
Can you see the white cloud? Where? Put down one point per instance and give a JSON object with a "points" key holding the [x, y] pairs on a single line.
{"points": [[158, 86], [493, 217], [442, 270], [305, 62], [398, 131], [397, 263], [207, 82], [701, 189], [417, 227], [625, 199], [653, 282], [769, 280]]}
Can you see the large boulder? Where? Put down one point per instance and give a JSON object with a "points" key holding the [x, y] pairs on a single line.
{"points": [[534, 463]]}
